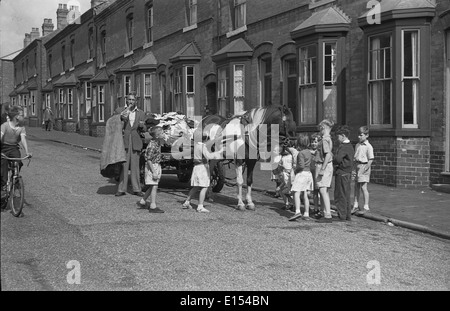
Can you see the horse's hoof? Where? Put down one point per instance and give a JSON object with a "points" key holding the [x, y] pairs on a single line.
{"points": [[240, 207], [251, 207]]}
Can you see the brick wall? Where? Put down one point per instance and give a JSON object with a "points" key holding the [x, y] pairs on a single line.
{"points": [[401, 162], [6, 80], [84, 126]]}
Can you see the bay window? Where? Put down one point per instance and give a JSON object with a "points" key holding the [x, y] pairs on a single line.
{"points": [[147, 92], [410, 77], [222, 96], [308, 84]]}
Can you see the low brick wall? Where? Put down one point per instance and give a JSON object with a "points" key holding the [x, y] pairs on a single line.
{"points": [[34, 122], [97, 130], [58, 125], [401, 161], [85, 125], [69, 126]]}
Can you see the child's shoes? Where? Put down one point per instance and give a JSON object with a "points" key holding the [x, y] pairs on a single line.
{"points": [[186, 205]]}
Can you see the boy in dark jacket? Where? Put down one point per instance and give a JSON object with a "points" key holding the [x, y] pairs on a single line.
{"points": [[343, 164]]}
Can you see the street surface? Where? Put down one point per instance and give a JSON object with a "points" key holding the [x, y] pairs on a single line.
{"points": [[71, 214]]}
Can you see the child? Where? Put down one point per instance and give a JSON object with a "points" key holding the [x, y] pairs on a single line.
{"points": [[288, 156], [314, 141], [153, 159], [200, 179], [363, 159], [343, 163], [274, 177], [12, 133], [324, 168], [303, 181]]}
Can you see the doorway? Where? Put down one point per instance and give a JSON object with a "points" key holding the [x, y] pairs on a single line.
{"points": [[447, 100], [211, 98]]}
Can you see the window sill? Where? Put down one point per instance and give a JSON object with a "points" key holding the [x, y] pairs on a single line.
{"points": [[147, 45], [49, 79], [90, 60], [189, 28], [236, 31], [320, 3], [62, 73], [445, 174], [102, 66], [72, 69], [400, 132], [128, 54]]}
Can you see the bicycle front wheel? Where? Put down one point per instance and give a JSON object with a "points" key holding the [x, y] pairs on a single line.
{"points": [[17, 196]]}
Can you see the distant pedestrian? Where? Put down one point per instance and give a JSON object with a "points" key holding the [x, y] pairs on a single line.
{"points": [[303, 182], [314, 143], [200, 178], [324, 168], [48, 116], [343, 165], [363, 160], [153, 171]]}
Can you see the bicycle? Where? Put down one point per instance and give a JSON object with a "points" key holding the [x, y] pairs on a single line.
{"points": [[15, 191]]}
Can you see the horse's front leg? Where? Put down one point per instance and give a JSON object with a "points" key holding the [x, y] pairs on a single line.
{"points": [[250, 167], [239, 183]]}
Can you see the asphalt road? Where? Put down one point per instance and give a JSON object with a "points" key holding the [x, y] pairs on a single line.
{"points": [[71, 214]]}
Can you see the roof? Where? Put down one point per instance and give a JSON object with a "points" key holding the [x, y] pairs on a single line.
{"points": [[22, 89], [236, 48], [147, 62], [188, 52], [126, 66], [391, 9], [32, 84], [13, 93], [101, 76], [87, 74], [48, 87], [331, 19], [60, 81], [70, 80], [11, 56]]}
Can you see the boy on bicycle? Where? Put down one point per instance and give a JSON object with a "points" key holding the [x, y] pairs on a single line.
{"points": [[12, 133]]}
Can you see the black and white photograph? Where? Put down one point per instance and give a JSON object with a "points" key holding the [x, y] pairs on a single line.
{"points": [[225, 153]]}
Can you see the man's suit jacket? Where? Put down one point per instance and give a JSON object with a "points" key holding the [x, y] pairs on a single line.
{"points": [[131, 132]]}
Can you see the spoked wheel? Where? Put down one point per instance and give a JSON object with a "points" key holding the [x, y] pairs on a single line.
{"points": [[17, 196]]}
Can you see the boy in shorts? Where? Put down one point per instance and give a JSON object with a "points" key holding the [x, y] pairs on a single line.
{"points": [[363, 160]]}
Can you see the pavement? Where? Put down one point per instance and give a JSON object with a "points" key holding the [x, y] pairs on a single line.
{"points": [[425, 209]]}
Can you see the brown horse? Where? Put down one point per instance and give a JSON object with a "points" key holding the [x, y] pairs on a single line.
{"points": [[247, 138]]}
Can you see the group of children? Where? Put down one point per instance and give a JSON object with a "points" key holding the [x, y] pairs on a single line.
{"points": [[299, 171], [310, 168]]}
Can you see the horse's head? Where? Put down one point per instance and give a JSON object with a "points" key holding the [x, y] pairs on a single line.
{"points": [[282, 116]]}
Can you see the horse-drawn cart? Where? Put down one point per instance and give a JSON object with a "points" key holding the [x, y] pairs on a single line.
{"points": [[182, 166]]}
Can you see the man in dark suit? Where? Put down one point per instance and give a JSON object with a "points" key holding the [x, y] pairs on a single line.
{"points": [[134, 123]]}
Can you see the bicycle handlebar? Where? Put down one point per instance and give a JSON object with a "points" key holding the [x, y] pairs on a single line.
{"points": [[15, 159]]}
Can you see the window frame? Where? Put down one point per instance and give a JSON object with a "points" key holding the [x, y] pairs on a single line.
{"points": [[237, 6], [63, 57], [150, 22], [191, 12], [70, 94], [380, 80], [130, 31], [33, 102], [101, 93]]}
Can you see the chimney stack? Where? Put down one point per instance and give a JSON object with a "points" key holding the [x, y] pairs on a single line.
{"points": [[47, 27], [34, 34], [27, 40], [61, 16]]}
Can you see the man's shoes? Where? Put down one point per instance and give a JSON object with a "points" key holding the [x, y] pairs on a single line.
{"points": [[138, 193], [155, 210], [119, 194], [324, 220]]}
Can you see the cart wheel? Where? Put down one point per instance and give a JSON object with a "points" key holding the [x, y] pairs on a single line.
{"points": [[217, 177]]}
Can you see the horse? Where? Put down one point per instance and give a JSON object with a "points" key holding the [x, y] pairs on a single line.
{"points": [[243, 136]]}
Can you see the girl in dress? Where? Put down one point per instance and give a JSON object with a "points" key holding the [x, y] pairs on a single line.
{"points": [[200, 179], [303, 181]]}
